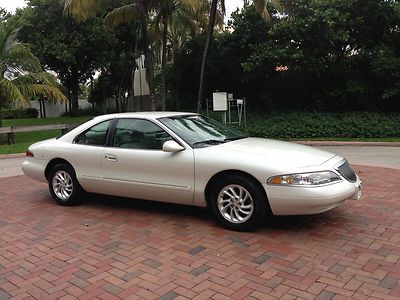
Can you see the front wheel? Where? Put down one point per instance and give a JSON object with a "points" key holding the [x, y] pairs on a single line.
{"points": [[64, 187], [238, 203]]}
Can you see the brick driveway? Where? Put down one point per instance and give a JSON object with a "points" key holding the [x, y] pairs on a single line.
{"points": [[113, 248]]}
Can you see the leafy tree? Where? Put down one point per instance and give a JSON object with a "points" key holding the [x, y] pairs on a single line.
{"points": [[158, 12], [210, 30], [73, 50], [326, 55], [22, 77], [231, 47], [83, 10], [336, 53], [175, 21], [260, 5], [116, 78]]}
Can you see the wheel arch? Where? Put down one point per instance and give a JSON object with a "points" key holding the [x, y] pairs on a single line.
{"points": [[215, 177], [54, 162]]}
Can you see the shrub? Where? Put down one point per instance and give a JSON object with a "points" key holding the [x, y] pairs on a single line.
{"points": [[303, 125], [20, 113]]}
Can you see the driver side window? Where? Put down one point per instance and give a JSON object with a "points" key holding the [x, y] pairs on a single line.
{"points": [[139, 134]]}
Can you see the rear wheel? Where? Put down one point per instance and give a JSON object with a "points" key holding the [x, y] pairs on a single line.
{"points": [[238, 203], [64, 187]]}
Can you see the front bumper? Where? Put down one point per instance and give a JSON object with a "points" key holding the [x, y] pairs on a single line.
{"points": [[295, 200]]}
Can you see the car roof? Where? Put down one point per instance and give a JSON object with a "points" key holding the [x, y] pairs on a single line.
{"points": [[145, 115]]}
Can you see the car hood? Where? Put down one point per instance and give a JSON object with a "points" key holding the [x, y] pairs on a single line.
{"points": [[285, 153]]}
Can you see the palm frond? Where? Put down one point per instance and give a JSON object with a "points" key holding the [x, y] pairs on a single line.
{"points": [[20, 55], [189, 22], [261, 7], [10, 40], [46, 91], [155, 30], [123, 14], [277, 4], [11, 91], [82, 10], [266, 15], [38, 77]]}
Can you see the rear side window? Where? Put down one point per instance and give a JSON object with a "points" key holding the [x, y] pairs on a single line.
{"points": [[95, 135]]}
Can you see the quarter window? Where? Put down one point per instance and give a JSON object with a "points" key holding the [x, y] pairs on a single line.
{"points": [[139, 134], [95, 135]]}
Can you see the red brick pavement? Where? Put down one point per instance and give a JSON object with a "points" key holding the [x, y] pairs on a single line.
{"points": [[111, 248]]}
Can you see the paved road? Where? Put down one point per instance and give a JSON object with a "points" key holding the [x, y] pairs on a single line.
{"points": [[10, 167], [388, 157]]}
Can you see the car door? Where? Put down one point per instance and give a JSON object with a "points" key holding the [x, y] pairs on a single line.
{"points": [[85, 154], [134, 164]]}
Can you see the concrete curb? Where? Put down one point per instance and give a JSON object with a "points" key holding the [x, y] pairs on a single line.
{"points": [[15, 155]]}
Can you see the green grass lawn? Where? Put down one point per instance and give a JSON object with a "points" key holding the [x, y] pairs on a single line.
{"points": [[24, 139]]}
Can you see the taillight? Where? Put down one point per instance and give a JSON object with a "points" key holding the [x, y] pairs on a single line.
{"points": [[29, 153]]}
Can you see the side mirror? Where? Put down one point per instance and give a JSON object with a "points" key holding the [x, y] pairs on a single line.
{"points": [[172, 146]]}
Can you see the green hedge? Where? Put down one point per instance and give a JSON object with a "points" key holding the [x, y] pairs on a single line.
{"points": [[298, 125], [21, 113]]}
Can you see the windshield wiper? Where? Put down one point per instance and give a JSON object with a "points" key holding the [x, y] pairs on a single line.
{"points": [[209, 142], [235, 138]]}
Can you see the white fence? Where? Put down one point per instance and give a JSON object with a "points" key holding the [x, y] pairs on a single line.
{"points": [[56, 109]]}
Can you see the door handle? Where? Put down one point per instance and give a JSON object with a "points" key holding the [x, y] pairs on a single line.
{"points": [[110, 157]]}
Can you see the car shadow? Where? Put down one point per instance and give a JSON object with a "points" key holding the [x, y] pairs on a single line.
{"points": [[148, 206], [290, 223]]}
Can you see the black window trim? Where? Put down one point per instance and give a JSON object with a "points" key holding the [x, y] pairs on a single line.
{"points": [[109, 129], [112, 131]]}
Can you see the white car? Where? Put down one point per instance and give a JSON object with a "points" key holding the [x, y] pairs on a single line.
{"points": [[190, 159]]}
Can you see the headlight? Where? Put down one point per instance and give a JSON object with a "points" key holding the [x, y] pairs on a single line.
{"points": [[310, 179]]}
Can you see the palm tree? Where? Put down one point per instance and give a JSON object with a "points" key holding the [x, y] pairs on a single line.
{"points": [[83, 9], [260, 5], [165, 10], [21, 75], [138, 9], [175, 19], [210, 30]]}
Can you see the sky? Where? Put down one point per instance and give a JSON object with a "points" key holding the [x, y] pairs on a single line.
{"points": [[231, 5], [11, 5]]}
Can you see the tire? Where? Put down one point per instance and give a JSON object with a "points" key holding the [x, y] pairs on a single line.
{"points": [[63, 185], [238, 203]]}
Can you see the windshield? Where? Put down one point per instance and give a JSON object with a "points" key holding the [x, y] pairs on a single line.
{"points": [[199, 131]]}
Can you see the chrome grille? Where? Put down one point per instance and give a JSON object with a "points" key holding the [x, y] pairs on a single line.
{"points": [[347, 172]]}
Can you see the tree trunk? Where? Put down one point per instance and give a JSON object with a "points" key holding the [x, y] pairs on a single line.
{"points": [[164, 59], [44, 109], [148, 60], [210, 31], [116, 97], [41, 108], [91, 94], [69, 108], [74, 96]]}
